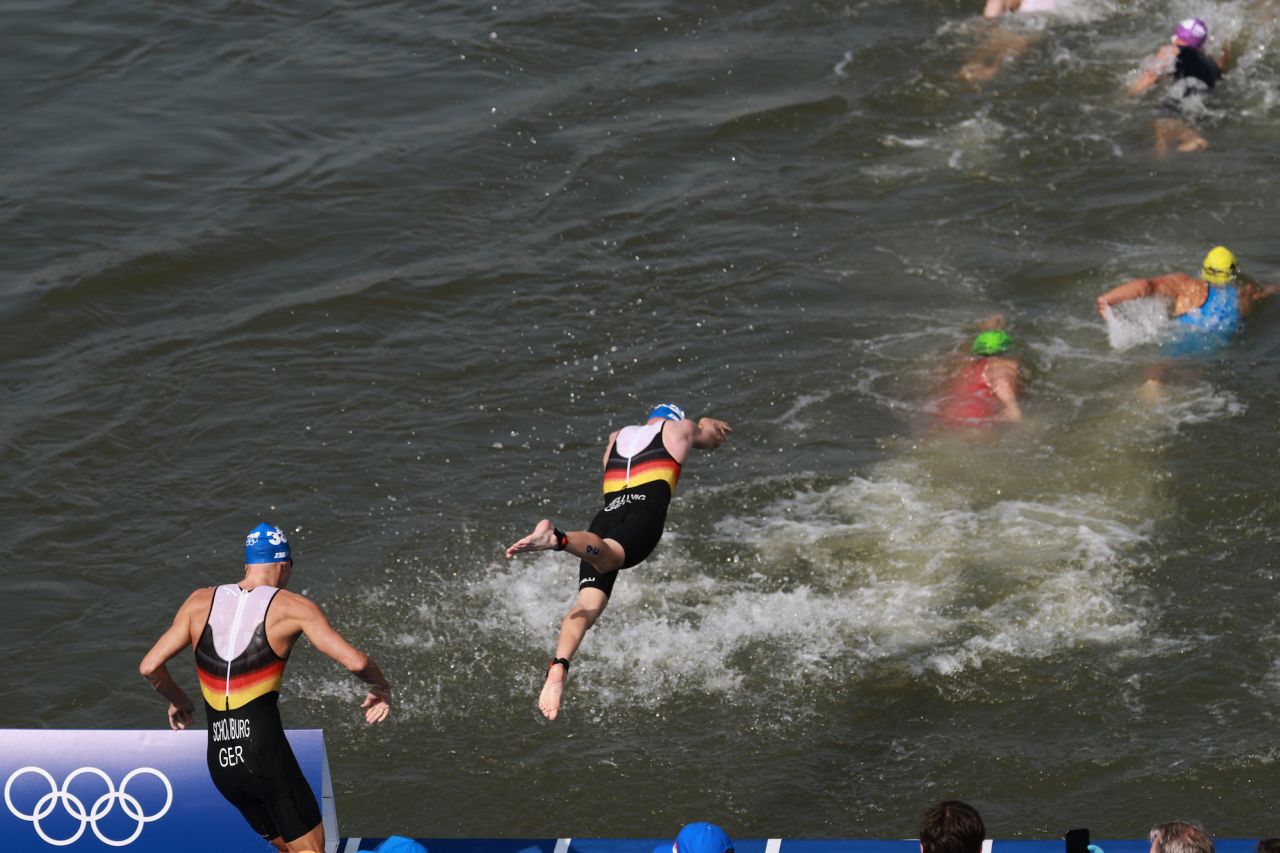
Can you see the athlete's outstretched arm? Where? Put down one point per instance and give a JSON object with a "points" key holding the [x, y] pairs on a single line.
{"points": [[312, 621], [1132, 289], [710, 433], [1145, 80], [1154, 70], [153, 669], [1251, 294]]}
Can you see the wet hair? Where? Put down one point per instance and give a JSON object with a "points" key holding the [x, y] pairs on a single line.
{"points": [[952, 827], [1180, 836]]}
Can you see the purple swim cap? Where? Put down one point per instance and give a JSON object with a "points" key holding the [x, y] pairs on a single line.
{"points": [[1192, 32]]}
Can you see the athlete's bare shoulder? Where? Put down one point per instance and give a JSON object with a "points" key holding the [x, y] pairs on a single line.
{"points": [[195, 611], [203, 595], [198, 603], [294, 604], [290, 616]]}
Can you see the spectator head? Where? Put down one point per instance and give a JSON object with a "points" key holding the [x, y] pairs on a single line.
{"points": [[1268, 845], [1180, 836], [951, 827], [699, 838]]}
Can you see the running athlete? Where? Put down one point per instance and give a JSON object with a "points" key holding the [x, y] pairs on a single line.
{"points": [[985, 389], [242, 635], [1182, 61], [641, 467], [1212, 307]]}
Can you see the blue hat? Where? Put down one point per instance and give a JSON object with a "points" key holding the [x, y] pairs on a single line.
{"points": [[266, 544], [670, 411], [699, 838], [399, 844]]}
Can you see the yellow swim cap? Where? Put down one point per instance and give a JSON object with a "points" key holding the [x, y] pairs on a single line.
{"points": [[1219, 266]]}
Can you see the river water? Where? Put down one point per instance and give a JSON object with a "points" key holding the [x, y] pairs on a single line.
{"points": [[388, 273]]}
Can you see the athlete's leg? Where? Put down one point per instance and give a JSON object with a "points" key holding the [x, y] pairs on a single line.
{"points": [[590, 603], [605, 554], [312, 842], [1176, 132]]}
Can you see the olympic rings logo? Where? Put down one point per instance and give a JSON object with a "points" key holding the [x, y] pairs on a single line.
{"points": [[75, 806]]}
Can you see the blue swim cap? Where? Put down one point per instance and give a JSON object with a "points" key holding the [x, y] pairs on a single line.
{"points": [[702, 838], [266, 544], [669, 411]]}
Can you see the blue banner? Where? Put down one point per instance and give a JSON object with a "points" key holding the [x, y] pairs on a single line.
{"points": [[138, 790]]}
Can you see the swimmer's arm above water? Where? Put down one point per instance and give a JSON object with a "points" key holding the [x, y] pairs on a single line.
{"points": [[1153, 70], [996, 8], [1251, 294], [710, 433], [1168, 286], [1133, 289]]}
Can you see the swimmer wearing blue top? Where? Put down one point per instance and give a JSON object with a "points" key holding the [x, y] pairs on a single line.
{"points": [[1211, 307]]}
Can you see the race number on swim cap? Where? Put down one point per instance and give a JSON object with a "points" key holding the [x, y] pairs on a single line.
{"points": [[669, 411], [266, 544]]}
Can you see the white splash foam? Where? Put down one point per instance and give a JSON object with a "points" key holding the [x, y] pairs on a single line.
{"points": [[871, 571], [1138, 321]]}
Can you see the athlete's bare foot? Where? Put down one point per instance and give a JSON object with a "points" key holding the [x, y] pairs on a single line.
{"points": [[1178, 134], [543, 538], [549, 698]]}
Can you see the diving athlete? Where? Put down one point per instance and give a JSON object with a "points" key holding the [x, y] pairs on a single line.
{"points": [[641, 468], [242, 634]]}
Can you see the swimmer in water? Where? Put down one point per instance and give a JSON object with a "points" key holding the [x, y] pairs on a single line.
{"points": [[985, 387], [996, 8], [1184, 62], [1002, 44], [641, 468], [1212, 306]]}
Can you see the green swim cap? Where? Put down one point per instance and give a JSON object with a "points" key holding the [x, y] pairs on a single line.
{"points": [[992, 342]]}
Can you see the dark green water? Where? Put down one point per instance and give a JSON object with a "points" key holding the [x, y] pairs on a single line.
{"points": [[388, 274]]}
